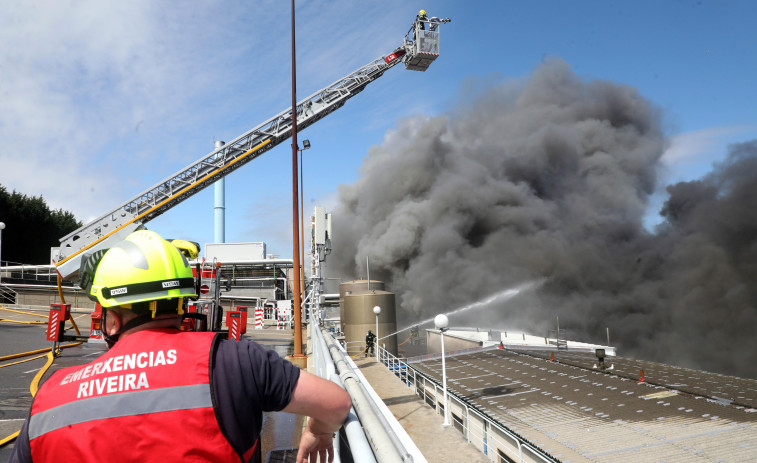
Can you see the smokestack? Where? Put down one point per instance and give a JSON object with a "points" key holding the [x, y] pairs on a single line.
{"points": [[219, 235], [549, 178]]}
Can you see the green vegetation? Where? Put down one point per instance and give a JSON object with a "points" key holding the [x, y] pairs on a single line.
{"points": [[31, 227]]}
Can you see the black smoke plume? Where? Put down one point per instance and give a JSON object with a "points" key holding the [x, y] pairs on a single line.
{"points": [[548, 179]]}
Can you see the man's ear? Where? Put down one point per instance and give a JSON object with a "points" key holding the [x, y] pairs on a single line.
{"points": [[113, 322]]}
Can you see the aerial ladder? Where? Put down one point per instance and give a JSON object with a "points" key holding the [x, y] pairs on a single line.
{"points": [[420, 47]]}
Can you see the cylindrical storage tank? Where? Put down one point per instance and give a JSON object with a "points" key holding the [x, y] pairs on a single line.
{"points": [[353, 287], [359, 318]]}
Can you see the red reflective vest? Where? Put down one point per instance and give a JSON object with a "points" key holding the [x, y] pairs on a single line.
{"points": [[147, 399]]}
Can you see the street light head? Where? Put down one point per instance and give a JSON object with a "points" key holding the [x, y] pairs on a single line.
{"points": [[377, 310], [305, 144], [2, 226], [441, 322]]}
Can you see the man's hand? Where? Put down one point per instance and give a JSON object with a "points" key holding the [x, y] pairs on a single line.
{"points": [[327, 405], [314, 444]]}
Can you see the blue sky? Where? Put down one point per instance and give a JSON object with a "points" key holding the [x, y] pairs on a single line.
{"points": [[101, 100]]}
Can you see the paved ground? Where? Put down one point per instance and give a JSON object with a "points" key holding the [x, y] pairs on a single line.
{"points": [[16, 375], [437, 442]]}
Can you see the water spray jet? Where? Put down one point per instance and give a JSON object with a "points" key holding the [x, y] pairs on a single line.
{"points": [[502, 295]]}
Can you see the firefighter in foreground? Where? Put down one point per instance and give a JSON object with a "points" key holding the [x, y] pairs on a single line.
{"points": [[160, 394]]}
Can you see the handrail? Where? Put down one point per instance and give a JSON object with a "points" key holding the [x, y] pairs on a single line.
{"points": [[7, 294], [378, 431], [384, 444], [358, 443]]}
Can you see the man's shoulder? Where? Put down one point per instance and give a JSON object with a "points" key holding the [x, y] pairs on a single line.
{"points": [[172, 334]]}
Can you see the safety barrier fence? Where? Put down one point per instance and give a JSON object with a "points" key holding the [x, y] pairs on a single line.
{"points": [[485, 433]]}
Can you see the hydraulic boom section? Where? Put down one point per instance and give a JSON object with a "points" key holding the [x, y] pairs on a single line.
{"points": [[133, 214]]}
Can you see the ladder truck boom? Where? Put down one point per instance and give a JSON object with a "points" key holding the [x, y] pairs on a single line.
{"points": [[134, 213]]}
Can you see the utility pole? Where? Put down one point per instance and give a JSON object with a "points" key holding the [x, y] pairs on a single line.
{"points": [[298, 358]]}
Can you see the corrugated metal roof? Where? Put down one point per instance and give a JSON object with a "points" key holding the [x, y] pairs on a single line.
{"points": [[608, 416]]}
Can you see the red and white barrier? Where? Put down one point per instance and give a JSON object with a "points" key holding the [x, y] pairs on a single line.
{"points": [[258, 318], [243, 322], [59, 313], [234, 321]]}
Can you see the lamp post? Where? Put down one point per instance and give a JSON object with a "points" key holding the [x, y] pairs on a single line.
{"points": [[2, 227], [305, 145], [298, 358], [377, 311], [441, 322]]}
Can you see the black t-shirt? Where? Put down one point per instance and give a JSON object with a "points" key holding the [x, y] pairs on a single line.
{"points": [[247, 380]]}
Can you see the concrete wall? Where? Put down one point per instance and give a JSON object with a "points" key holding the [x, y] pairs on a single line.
{"points": [[42, 297], [501, 442], [476, 431]]}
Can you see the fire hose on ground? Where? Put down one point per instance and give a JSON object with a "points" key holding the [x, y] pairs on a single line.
{"points": [[33, 389], [34, 386]]}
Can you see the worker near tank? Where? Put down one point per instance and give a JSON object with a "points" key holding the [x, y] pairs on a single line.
{"points": [[370, 341], [159, 393]]}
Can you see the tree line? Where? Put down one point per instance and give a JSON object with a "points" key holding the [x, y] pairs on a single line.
{"points": [[31, 227]]}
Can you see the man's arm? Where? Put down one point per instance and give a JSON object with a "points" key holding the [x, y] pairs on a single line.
{"points": [[327, 405], [21, 451]]}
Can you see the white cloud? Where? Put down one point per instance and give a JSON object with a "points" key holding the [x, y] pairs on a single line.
{"points": [[703, 146], [100, 100], [88, 87]]}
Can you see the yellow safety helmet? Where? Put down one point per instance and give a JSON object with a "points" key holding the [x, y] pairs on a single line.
{"points": [[422, 13], [190, 249], [143, 272]]}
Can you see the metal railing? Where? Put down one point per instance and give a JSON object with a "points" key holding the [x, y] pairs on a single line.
{"points": [[479, 429], [351, 431], [7, 295], [20, 273], [372, 432], [357, 349]]}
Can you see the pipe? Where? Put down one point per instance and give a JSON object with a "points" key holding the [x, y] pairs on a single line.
{"points": [[219, 234], [358, 443], [355, 434], [399, 447], [280, 262], [297, 302], [386, 446]]}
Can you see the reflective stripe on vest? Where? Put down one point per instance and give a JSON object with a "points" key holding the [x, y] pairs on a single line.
{"points": [[118, 405]]}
